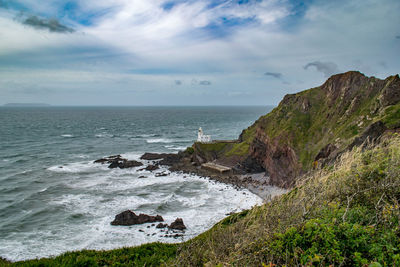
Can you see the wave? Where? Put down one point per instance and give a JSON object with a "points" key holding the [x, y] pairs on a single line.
{"points": [[159, 140], [77, 167], [172, 147], [146, 135], [104, 135], [67, 135]]}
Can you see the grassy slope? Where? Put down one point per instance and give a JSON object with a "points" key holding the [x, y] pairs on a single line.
{"points": [[154, 254], [344, 214], [348, 214]]}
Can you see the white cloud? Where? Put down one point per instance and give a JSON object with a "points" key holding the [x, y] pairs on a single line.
{"points": [[140, 35]]}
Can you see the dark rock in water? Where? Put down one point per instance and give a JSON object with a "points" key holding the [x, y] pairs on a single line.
{"points": [[117, 161], [171, 159], [177, 225], [109, 159], [151, 168], [124, 164], [161, 174], [114, 164], [142, 176], [128, 217], [130, 164], [166, 159], [102, 161], [153, 156], [162, 225]]}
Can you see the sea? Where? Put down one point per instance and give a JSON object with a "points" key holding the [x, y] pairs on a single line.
{"points": [[54, 199]]}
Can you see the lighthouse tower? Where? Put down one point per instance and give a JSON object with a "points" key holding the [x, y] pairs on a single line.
{"points": [[202, 138]]}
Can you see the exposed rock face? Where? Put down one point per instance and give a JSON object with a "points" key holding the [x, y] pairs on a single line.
{"points": [[370, 134], [326, 152], [128, 217], [281, 161], [391, 93], [177, 225]]}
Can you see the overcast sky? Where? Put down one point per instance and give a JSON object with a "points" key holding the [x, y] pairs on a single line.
{"points": [[193, 52]]}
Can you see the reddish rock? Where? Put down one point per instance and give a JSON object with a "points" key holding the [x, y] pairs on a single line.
{"points": [[128, 217]]}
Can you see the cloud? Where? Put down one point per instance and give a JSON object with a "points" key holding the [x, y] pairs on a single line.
{"points": [[274, 74], [205, 83], [178, 82], [53, 25], [327, 68]]}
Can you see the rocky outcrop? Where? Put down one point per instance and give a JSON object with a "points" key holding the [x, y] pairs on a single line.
{"points": [[153, 156], [128, 217], [167, 159], [118, 162], [152, 167], [177, 225], [279, 160]]}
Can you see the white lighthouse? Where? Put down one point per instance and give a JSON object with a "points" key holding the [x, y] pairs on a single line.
{"points": [[202, 138]]}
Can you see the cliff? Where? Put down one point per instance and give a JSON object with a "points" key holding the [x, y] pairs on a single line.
{"points": [[311, 128]]}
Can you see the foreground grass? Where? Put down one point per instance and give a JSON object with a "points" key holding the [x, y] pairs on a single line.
{"points": [[154, 254], [342, 215]]}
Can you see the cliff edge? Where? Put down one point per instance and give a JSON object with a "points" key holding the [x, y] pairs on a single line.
{"points": [[311, 128]]}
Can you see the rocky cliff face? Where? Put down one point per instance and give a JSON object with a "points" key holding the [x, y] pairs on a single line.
{"points": [[309, 128]]}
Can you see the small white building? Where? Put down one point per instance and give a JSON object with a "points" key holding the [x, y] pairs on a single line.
{"points": [[202, 138]]}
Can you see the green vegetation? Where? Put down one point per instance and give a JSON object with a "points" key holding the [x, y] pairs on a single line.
{"points": [[189, 150], [154, 254], [347, 214]]}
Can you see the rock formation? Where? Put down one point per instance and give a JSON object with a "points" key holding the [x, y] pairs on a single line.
{"points": [[177, 225], [128, 217]]}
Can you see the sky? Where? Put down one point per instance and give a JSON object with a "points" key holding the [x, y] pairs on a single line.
{"points": [[187, 52]]}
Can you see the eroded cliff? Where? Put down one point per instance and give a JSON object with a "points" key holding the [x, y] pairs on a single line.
{"points": [[312, 127]]}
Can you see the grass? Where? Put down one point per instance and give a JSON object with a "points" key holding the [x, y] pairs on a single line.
{"points": [[154, 254], [347, 214]]}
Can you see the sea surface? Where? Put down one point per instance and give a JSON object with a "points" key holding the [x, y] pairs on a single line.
{"points": [[54, 199]]}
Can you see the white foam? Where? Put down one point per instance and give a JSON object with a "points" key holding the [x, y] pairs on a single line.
{"points": [[99, 193], [104, 135], [76, 167], [67, 135], [172, 147], [146, 135], [159, 140]]}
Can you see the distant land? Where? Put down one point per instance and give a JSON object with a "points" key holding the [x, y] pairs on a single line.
{"points": [[26, 105]]}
